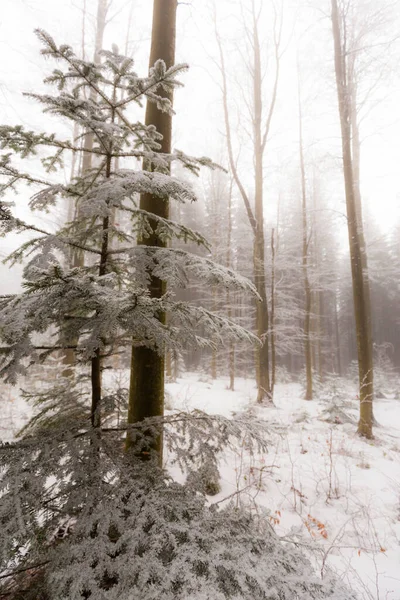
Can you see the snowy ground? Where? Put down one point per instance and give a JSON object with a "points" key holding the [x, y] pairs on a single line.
{"points": [[325, 489]]}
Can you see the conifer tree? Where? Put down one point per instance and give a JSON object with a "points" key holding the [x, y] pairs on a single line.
{"points": [[101, 304]]}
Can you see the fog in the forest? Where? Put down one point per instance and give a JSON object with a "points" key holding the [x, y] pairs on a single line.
{"points": [[200, 299], [305, 63]]}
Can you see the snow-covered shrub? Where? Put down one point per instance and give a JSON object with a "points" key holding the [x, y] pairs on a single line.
{"points": [[89, 521]]}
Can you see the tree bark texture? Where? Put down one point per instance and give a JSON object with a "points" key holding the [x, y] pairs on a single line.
{"points": [[146, 395], [356, 163], [362, 318]]}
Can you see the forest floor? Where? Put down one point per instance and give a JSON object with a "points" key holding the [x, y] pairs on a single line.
{"points": [[322, 487]]}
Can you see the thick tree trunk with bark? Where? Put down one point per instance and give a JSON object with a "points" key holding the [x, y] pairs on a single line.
{"points": [[356, 164], [146, 394], [262, 319], [362, 318]]}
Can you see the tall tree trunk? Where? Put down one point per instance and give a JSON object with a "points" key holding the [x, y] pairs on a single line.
{"points": [[362, 318], [146, 394], [260, 136], [307, 286], [262, 313], [262, 320], [356, 163]]}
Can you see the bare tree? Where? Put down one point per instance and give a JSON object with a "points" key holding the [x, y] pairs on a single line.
{"points": [[361, 300], [261, 125]]}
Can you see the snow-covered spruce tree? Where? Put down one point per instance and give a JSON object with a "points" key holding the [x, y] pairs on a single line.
{"points": [[81, 518], [103, 304]]}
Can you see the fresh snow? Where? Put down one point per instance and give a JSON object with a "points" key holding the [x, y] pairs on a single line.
{"points": [[324, 488]]}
